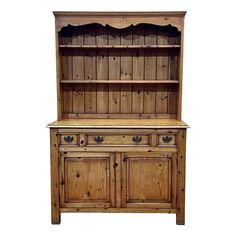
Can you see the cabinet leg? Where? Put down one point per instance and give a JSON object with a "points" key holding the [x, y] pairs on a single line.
{"points": [[56, 217], [180, 219]]}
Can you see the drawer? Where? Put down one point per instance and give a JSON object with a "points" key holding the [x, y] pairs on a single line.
{"points": [[69, 139], [117, 139], [166, 139]]}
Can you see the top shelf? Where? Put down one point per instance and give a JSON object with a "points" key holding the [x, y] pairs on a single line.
{"points": [[118, 46]]}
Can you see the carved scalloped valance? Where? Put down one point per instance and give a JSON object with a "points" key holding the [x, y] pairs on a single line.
{"points": [[118, 21]]}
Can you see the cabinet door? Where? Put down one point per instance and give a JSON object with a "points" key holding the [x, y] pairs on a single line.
{"points": [[87, 179], [149, 180]]}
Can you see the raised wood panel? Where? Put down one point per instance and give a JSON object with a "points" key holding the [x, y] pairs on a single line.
{"points": [[147, 180], [87, 179]]}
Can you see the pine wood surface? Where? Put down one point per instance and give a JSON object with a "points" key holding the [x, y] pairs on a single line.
{"points": [[118, 123], [118, 144]]}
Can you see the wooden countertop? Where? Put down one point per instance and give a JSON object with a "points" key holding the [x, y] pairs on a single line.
{"points": [[118, 123]]}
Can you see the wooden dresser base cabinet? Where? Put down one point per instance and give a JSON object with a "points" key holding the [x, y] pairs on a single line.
{"points": [[118, 178], [118, 144]]}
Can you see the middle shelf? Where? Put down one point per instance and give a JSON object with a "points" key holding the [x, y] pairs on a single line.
{"points": [[119, 81], [120, 46]]}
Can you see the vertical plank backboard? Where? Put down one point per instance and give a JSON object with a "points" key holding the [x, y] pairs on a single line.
{"points": [[78, 71], [172, 99], [161, 99], [102, 70], [126, 70], [162, 56], [138, 70], [150, 70], [90, 70], [114, 71], [162, 73], [67, 71]]}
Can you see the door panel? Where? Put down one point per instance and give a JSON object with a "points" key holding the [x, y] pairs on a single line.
{"points": [[82, 177], [143, 175], [87, 179], [148, 180]]}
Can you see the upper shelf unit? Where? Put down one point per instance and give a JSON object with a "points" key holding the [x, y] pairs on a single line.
{"points": [[144, 53], [121, 66]]}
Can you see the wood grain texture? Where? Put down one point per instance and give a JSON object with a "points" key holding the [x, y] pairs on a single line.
{"points": [[119, 210], [119, 19], [119, 123], [138, 71], [146, 180], [180, 214], [114, 72], [119, 143], [55, 212], [90, 72], [119, 81], [114, 139], [102, 71], [66, 59], [87, 179]]}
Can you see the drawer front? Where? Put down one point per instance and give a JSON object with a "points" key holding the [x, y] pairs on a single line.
{"points": [[120, 137], [69, 139], [166, 139], [117, 139]]}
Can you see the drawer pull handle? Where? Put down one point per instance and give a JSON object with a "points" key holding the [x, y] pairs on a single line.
{"points": [[137, 139], [68, 139], [166, 139], [98, 139]]}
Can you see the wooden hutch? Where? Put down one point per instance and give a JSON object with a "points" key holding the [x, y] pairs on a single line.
{"points": [[118, 144]]}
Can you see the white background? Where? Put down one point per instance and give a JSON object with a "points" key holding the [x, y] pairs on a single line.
{"points": [[28, 103]]}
